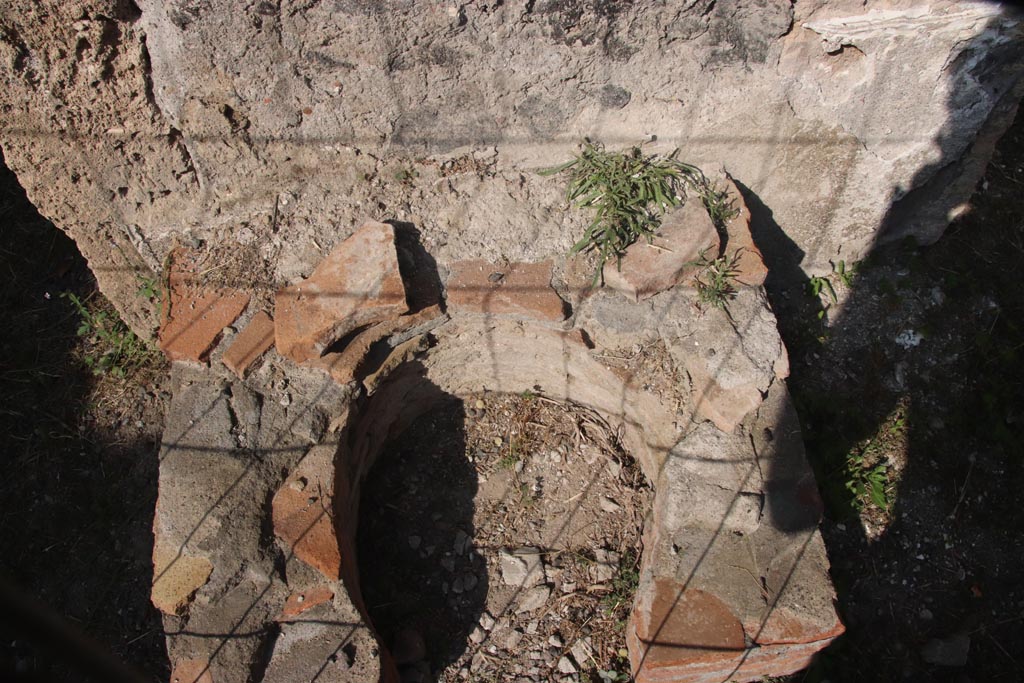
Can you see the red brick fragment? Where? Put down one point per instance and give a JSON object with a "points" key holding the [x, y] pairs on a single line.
{"points": [[682, 628], [297, 603], [356, 285], [520, 289], [303, 511], [250, 344], [651, 267], [345, 366], [195, 315]]}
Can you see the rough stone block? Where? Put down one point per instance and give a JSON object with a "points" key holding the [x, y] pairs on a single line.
{"points": [[356, 285], [194, 315], [514, 289], [250, 344], [341, 652], [651, 267]]}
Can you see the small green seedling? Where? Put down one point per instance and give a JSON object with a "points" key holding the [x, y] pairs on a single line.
{"points": [[716, 280], [817, 284], [149, 288], [844, 274], [719, 206], [407, 175], [113, 348]]}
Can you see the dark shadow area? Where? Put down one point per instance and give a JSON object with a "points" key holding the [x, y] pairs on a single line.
{"points": [[909, 398], [78, 470], [423, 582]]}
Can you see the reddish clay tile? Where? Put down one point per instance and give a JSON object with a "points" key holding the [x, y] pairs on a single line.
{"points": [[194, 315], [356, 285], [345, 365], [651, 267], [783, 625], [683, 627], [303, 511], [751, 267], [250, 344], [522, 289], [297, 603], [726, 408], [191, 671]]}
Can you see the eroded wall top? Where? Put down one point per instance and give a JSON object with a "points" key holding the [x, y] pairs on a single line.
{"points": [[266, 131]]}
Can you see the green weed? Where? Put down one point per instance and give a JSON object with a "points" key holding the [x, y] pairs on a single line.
{"points": [[716, 280], [719, 206], [112, 348], [867, 482], [407, 175], [513, 455], [629, 192], [624, 584], [149, 288]]}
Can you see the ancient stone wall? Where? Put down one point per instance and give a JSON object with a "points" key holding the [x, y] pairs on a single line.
{"points": [[263, 132]]}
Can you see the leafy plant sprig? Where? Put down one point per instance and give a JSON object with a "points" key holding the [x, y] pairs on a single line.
{"points": [[716, 281], [629, 193], [113, 348]]}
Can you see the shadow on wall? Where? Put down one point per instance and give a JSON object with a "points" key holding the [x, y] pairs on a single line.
{"points": [[916, 377]]}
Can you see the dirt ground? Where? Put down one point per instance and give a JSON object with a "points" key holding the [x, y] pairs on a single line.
{"points": [[505, 533], [909, 385]]}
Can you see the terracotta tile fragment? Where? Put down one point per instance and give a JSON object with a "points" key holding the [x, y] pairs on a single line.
{"points": [[297, 603], [520, 289], [191, 671], [346, 365], [651, 267], [250, 344], [303, 512], [194, 315], [684, 627], [356, 285], [751, 267], [176, 577]]}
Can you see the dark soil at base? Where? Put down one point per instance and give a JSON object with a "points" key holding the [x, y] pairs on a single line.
{"points": [[77, 471], [918, 381]]}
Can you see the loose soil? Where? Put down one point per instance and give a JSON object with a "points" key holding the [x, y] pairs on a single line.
{"points": [[504, 531]]}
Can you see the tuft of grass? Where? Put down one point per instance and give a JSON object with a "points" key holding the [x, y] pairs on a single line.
{"points": [[716, 280], [624, 584], [111, 348], [719, 205], [149, 288], [629, 192]]}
